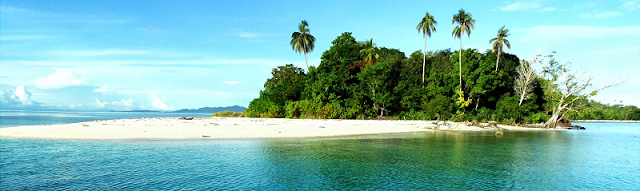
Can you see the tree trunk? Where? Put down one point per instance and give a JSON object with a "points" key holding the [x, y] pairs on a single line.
{"points": [[498, 58], [522, 95], [305, 61], [553, 121], [424, 58], [460, 62]]}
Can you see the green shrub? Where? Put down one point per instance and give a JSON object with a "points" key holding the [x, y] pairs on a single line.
{"points": [[264, 109], [229, 114]]}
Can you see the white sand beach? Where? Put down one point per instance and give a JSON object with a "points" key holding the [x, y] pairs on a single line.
{"points": [[230, 128]]}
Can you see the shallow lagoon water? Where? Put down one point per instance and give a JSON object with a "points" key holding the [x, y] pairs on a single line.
{"points": [[604, 157]]}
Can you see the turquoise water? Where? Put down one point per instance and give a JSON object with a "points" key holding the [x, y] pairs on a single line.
{"points": [[604, 157], [9, 118]]}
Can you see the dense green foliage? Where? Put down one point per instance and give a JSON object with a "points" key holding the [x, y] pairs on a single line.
{"points": [[598, 111], [229, 114], [349, 84]]}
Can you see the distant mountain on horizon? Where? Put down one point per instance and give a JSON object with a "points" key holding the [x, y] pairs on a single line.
{"points": [[234, 108]]}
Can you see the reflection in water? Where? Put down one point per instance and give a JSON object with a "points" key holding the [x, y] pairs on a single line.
{"points": [[568, 160], [451, 160]]}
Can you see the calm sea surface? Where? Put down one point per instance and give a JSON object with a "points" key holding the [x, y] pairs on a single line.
{"points": [[606, 156]]}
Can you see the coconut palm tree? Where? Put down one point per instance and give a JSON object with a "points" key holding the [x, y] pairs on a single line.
{"points": [[465, 24], [426, 25], [369, 52], [302, 41], [498, 43]]}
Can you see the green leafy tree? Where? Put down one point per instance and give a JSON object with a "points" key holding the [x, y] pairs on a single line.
{"points": [[465, 24], [369, 53], [499, 41], [286, 85], [302, 41], [426, 26]]}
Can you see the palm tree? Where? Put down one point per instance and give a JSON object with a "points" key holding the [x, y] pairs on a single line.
{"points": [[426, 25], [498, 41], [369, 52], [465, 24], [303, 41]]}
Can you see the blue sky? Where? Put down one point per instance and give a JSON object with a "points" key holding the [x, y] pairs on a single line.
{"points": [[166, 55]]}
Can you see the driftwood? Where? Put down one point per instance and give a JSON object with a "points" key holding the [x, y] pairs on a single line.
{"points": [[491, 124], [186, 118], [438, 123]]}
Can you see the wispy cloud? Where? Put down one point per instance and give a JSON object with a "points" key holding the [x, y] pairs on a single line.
{"points": [[158, 102], [231, 82], [548, 9], [106, 52], [61, 78], [152, 30], [247, 35], [103, 21], [601, 15], [9, 9], [21, 37], [631, 5], [559, 33], [524, 6]]}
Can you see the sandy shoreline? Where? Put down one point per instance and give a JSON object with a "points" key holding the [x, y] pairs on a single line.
{"points": [[228, 128]]}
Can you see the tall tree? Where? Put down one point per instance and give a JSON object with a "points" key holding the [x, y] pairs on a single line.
{"points": [[498, 43], [523, 85], [465, 24], [302, 41], [426, 25], [369, 52]]}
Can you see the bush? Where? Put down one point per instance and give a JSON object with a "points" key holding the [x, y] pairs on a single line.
{"points": [[484, 115], [264, 109], [301, 109], [440, 106], [229, 114]]}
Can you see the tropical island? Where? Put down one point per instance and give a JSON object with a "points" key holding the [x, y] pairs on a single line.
{"points": [[358, 80], [464, 89]]}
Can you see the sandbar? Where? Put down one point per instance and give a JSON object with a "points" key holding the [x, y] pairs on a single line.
{"points": [[230, 128]]}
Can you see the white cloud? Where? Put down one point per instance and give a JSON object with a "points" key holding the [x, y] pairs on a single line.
{"points": [[562, 33], [247, 35], [102, 89], [105, 52], [21, 97], [231, 82], [61, 78], [101, 104], [159, 102], [122, 104], [631, 5], [7, 9], [520, 5], [602, 15], [548, 9], [21, 37]]}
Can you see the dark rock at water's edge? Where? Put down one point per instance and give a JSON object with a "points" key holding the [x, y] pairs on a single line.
{"points": [[186, 118], [234, 108], [568, 125]]}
